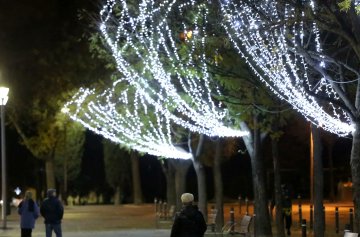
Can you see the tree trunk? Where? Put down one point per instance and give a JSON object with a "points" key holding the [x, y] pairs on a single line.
{"points": [[135, 171], [355, 171], [170, 182], [219, 199], [262, 219], [318, 184], [182, 167], [277, 189], [331, 172], [50, 173], [201, 184], [200, 174], [117, 196]]}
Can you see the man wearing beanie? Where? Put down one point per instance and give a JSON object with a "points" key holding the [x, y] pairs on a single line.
{"points": [[52, 210], [189, 222]]}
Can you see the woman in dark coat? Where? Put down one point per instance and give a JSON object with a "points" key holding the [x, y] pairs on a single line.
{"points": [[29, 211], [189, 222]]}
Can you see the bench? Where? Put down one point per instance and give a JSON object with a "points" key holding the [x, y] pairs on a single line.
{"points": [[164, 217], [242, 228], [212, 219], [350, 234]]}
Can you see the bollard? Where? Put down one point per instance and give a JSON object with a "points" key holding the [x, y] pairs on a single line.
{"points": [[303, 228], [161, 208], [336, 220], [347, 228], [239, 204], [232, 220], [300, 215], [156, 213], [247, 206], [213, 215], [324, 213], [311, 217], [351, 219], [254, 218], [165, 211]]}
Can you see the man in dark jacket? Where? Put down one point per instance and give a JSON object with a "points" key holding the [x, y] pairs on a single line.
{"points": [[189, 222], [52, 210]]}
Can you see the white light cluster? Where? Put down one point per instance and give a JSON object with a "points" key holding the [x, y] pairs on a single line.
{"points": [[147, 54], [271, 46], [116, 115]]}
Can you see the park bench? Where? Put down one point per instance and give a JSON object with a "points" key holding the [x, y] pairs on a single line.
{"points": [[211, 223], [164, 216], [350, 234], [242, 228]]}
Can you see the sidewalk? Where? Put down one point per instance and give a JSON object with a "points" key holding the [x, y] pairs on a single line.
{"points": [[139, 221]]}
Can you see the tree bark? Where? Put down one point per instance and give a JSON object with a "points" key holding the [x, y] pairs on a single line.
{"points": [[201, 184], [135, 170], [262, 219], [355, 172], [319, 215], [170, 181], [182, 167], [200, 173], [331, 171], [50, 173], [218, 186], [117, 196], [277, 189]]}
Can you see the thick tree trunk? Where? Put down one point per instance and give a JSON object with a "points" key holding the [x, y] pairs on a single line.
{"points": [[252, 143], [277, 189], [170, 182], [117, 196], [218, 186], [355, 171], [201, 184], [50, 173], [182, 167], [331, 172], [262, 223], [200, 173], [135, 171], [318, 184]]}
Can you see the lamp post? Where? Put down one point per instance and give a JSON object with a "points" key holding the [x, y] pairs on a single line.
{"points": [[3, 99]]}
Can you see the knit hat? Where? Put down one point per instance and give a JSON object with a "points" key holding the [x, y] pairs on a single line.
{"points": [[187, 198], [51, 192]]}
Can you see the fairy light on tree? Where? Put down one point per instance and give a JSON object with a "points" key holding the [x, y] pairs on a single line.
{"points": [[317, 72], [173, 79], [118, 115], [284, 56]]}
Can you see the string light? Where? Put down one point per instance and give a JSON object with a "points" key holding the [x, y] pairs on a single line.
{"points": [[146, 52], [113, 115], [271, 50]]}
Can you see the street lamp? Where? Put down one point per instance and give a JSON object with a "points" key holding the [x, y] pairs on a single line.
{"points": [[3, 99]]}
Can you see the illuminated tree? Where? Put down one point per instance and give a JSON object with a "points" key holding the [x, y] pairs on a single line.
{"points": [[124, 119], [308, 54], [170, 77]]}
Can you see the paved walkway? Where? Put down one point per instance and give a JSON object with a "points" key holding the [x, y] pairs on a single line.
{"points": [[40, 232], [139, 221]]}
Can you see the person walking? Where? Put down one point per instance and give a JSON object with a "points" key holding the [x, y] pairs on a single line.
{"points": [[29, 212], [52, 210], [189, 222], [287, 210]]}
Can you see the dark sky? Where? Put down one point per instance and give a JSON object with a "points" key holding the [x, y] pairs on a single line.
{"points": [[30, 29]]}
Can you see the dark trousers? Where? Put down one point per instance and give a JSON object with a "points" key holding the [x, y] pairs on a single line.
{"points": [[49, 228], [26, 232]]}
